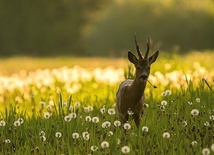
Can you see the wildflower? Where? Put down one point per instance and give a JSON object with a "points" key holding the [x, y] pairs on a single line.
{"points": [[206, 151], [166, 135], [94, 148], [117, 123], [110, 133], [77, 104], [16, 123], [85, 135], [7, 141], [125, 149], [43, 138], [206, 123], [162, 108], [106, 124], [42, 104], [48, 107], [21, 120], [88, 118], [184, 123], [212, 117], [194, 143], [104, 144], [90, 108], [103, 110], [163, 94], [163, 103], [73, 115], [212, 147], [42, 133], [111, 111], [127, 126], [95, 119], [75, 135], [145, 129], [189, 102], [2, 123], [67, 118], [47, 115], [168, 92], [194, 112], [130, 112], [58, 134], [198, 100], [146, 105]]}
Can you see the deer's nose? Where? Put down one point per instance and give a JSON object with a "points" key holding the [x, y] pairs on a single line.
{"points": [[144, 77]]}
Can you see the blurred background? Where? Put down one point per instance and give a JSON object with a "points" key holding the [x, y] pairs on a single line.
{"points": [[103, 28]]}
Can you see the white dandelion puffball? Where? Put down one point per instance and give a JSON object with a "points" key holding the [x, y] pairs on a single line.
{"points": [[194, 112], [166, 135], [205, 151], [104, 144], [127, 126], [145, 129], [125, 149]]}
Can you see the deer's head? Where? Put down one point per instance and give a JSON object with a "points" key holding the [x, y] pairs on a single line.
{"points": [[142, 65]]}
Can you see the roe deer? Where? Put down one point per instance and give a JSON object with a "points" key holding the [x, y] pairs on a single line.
{"points": [[130, 95]]}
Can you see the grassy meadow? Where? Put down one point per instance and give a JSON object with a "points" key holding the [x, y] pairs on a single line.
{"points": [[67, 106]]}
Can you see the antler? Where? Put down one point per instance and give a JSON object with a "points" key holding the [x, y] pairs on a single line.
{"points": [[147, 51], [138, 49]]}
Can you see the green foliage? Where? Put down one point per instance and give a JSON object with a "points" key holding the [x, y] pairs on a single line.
{"points": [[43, 27], [41, 113], [172, 26]]}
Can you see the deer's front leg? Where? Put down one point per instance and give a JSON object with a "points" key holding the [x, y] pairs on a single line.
{"points": [[137, 118]]}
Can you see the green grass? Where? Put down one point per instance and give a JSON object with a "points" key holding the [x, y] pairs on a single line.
{"points": [[34, 94]]}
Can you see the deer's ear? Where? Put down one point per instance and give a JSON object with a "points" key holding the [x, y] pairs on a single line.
{"points": [[132, 58], [153, 58]]}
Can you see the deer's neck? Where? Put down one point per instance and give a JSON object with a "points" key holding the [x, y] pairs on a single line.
{"points": [[137, 88]]}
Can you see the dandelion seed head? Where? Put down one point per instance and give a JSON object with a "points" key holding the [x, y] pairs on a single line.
{"points": [[94, 148], [67, 118], [206, 123], [110, 133], [130, 112], [88, 118], [16, 123], [184, 123], [125, 149], [42, 104], [212, 147], [194, 112], [58, 134], [21, 120], [43, 138], [163, 103], [106, 124], [205, 151], [111, 111], [73, 115], [145, 129], [198, 100], [166, 135], [95, 119], [194, 143], [104, 144], [77, 104], [212, 117], [47, 115], [7, 141], [127, 126], [117, 123], [85, 135], [2, 123], [103, 110], [42, 133], [168, 92], [75, 135]]}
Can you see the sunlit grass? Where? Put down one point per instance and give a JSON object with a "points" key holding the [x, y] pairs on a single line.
{"points": [[71, 110]]}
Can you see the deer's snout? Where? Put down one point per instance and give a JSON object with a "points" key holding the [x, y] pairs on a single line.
{"points": [[143, 77]]}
